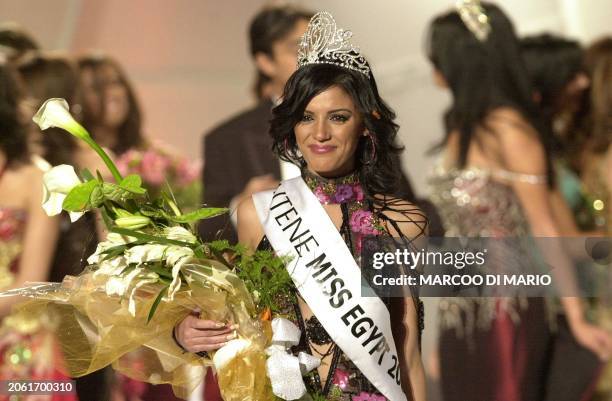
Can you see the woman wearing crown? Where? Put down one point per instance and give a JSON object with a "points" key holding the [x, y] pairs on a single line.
{"points": [[334, 125]]}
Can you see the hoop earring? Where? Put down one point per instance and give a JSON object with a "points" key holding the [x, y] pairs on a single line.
{"points": [[372, 158]]}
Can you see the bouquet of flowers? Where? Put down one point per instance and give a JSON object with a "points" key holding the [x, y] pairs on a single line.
{"points": [[148, 274]]}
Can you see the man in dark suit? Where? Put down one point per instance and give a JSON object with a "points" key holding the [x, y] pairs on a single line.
{"points": [[237, 154]]}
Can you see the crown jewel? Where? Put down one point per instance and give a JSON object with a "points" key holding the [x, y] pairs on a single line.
{"points": [[473, 16], [325, 43]]}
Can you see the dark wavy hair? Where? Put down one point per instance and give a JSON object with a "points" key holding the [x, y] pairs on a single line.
{"points": [[552, 63], [378, 167], [44, 76], [130, 133], [482, 76], [13, 137]]}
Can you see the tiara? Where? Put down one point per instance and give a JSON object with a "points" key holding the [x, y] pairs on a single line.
{"points": [[473, 16], [325, 43]]}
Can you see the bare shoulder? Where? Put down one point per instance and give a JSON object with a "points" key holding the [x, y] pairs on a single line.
{"points": [[511, 126], [250, 231], [401, 217]]}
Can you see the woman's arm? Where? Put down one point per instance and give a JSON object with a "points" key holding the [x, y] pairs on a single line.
{"points": [[250, 231], [412, 224], [523, 153], [195, 334], [39, 240]]}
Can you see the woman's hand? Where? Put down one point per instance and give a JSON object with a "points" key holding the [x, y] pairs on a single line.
{"points": [[593, 338], [196, 335]]}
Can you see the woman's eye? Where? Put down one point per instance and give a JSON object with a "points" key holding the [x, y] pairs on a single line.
{"points": [[306, 118], [339, 118]]}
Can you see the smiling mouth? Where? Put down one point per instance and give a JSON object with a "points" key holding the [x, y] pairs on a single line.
{"points": [[321, 149]]}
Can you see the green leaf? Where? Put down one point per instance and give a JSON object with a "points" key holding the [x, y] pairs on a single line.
{"points": [[204, 213], [97, 197], [117, 193], [78, 198], [86, 174], [149, 238], [156, 268], [133, 183], [156, 302]]}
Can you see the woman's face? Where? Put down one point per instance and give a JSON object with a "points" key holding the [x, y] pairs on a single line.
{"points": [[105, 96], [329, 132]]}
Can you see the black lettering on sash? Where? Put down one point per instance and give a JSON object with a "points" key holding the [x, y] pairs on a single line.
{"points": [[373, 336], [354, 312], [361, 326], [284, 215], [318, 265], [295, 223], [343, 296], [331, 273]]}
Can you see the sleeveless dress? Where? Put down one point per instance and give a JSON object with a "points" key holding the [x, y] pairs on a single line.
{"points": [[344, 381], [491, 349], [28, 349]]}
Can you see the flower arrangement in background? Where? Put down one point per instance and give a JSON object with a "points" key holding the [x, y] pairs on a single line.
{"points": [[161, 171]]}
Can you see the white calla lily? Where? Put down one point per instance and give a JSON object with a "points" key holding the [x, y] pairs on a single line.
{"points": [[179, 233], [57, 183], [112, 240], [55, 113]]}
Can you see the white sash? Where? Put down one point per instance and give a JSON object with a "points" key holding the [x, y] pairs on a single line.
{"points": [[328, 278]]}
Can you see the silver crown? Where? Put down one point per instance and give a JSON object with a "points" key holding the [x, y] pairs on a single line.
{"points": [[473, 16], [325, 43]]}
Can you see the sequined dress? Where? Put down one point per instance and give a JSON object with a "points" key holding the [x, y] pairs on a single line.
{"points": [[28, 350], [489, 348], [344, 381]]}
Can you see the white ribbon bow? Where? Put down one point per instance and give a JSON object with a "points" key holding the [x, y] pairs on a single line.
{"points": [[285, 370]]}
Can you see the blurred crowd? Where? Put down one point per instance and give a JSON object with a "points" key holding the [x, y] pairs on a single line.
{"points": [[551, 92]]}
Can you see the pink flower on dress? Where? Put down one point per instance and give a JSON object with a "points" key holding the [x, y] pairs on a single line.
{"points": [[321, 195], [363, 396], [344, 192], [362, 221], [154, 167], [341, 379], [358, 192]]}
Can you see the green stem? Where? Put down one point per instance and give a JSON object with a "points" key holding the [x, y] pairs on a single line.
{"points": [[107, 160]]}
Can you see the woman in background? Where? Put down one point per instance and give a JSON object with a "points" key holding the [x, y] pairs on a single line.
{"points": [[27, 241], [494, 181], [111, 112], [555, 67], [593, 140], [45, 76]]}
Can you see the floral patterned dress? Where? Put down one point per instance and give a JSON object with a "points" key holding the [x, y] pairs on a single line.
{"points": [[362, 217], [28, 349]]}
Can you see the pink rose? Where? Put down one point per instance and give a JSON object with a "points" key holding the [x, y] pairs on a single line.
{"points": [[358, 192], [362, 221], [154, 167], [128, 162], [344, 192], [341, 379], [187, 171], [322, 196], [363, 396]]}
